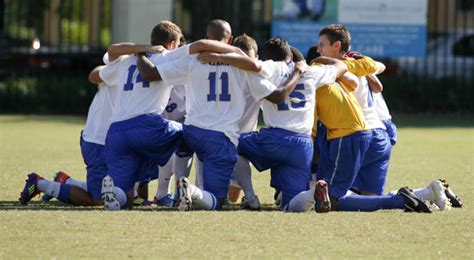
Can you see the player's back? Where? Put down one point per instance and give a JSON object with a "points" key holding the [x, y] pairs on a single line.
{"points": [[296, 114], [364, 96], [135, 96], [99, 115]]}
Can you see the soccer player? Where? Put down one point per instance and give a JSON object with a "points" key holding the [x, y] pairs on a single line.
{"points": [[211, 128], [92, 140], [285, 145]]}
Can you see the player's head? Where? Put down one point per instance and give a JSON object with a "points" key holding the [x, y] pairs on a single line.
{"points": [[334, 41], [167, 34], [219, 30], [312, 54], [277, 49], [182, 41], [247, 44]]}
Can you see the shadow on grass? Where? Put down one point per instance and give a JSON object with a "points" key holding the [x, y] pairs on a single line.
{"points": [[26, 118], [59, 206]]}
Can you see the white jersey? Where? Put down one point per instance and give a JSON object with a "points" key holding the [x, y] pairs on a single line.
{"points": [[381, 107], [296, 114], [135, 96], [215, 93], [365, 99], [100, 113], [249, 120], [176, 108]]}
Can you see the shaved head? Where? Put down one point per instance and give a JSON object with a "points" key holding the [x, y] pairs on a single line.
{"points": [[219, 30]]}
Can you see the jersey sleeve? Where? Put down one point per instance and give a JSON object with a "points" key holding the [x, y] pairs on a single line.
{"points": [[176, 72], [169, 56], [268, 69], [323, 74], [259, 87], [361, 67], [110, 73]]}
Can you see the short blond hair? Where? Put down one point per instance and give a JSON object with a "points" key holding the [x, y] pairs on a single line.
{"points": [[164, 33]]}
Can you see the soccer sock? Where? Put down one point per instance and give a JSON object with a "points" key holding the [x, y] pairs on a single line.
{"points": [[202, 199], [182, 166], [74, 182], [370, 203], [243, 175], [121, 196], [55, 189], [164, 178], [302, 202], [199, 181], [135, 189], [424, 193]]}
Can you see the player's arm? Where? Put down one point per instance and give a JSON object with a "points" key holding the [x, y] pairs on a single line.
{"points": [[147, 69], [279, 95], [349, 80], [213, 46], [127, 48], [341, 68], [94, 75], [374, 83], [239, 61]]}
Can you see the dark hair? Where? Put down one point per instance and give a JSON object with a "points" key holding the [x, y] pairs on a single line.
{"points": [[246, 43], [276, 49], [297, 55], [164, 33], [312, 54], [337, 32]]}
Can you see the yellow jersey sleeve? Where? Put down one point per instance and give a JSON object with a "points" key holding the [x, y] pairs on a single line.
{"points": [[361, 67]]}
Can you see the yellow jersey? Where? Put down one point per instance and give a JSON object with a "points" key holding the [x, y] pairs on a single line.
{"points": [[361, 67], [337, 108]]}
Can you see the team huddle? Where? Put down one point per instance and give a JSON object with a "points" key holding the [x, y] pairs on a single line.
{"points": [[327, 134]]}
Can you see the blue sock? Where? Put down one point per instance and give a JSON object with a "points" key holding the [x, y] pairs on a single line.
{"points": [[356, 202], [64, 192]]}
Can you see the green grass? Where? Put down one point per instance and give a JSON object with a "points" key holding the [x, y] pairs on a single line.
{"points": [[46, 144]]}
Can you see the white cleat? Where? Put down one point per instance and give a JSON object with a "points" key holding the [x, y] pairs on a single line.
{"points": [[439, 194], [108, 194], [184, 201]]}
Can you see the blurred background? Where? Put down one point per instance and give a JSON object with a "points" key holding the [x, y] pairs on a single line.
{"points": [[48, 47]]}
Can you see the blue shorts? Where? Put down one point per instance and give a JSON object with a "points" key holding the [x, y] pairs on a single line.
{"points": [[218, 155], [344, 158], [391, 131], [287, 154], [373, 172], [320, 147], [132, 143], [96, 167], [148, 171]]}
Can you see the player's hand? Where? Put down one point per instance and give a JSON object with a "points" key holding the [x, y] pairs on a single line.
{"points": [[353, 55], [301, 66], [155, 49], [209, 57]]}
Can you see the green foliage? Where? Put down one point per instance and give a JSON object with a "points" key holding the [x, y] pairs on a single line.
{"points": [[71, 94], [46, 144]]}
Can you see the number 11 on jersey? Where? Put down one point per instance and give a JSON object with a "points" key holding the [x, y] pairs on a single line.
{"points": [[224, 96]]}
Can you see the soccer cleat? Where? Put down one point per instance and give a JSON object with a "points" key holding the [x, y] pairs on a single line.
{"points": [[439, 194], [412, 202], [184, 201], [137, 201], [60, 177], [108, 194], [322, 203], [165, 201], [31, 188], [452, 197], [252, 203], [277, 198]]}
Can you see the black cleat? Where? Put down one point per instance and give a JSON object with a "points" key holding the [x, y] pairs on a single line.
{"points": [[453, 198], [412, 202]]}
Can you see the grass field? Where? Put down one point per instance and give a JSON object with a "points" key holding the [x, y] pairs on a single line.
{"points": [[429, 148]]}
